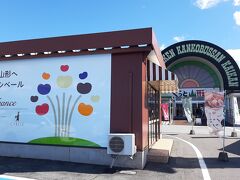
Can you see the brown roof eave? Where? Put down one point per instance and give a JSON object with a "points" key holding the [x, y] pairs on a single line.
{"points": [[85, 52], [86, 41], [117, 41]]}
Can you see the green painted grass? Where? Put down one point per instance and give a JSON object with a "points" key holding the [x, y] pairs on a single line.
{"points": [[66, 141]]}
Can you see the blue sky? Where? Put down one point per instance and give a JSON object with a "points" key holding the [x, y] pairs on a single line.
{"points": [[216, 21]]}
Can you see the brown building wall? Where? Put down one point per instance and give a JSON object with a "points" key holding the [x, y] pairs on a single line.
{"points": [[128, 111], [144, 106]]}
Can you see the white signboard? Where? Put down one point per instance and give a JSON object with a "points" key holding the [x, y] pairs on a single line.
{"points": [[57, 100], [194, 93], [236, 111], [214, 103], [187, 106]]}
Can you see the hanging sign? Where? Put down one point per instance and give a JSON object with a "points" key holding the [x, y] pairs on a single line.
{"points": [[214, 104], [194, 93], [187, 106], [165, 111], [236, 111]]}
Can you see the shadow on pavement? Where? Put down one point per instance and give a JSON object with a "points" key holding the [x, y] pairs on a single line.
{"points": [[233, 148], [21, 165], [157, 167], [191, 163]]}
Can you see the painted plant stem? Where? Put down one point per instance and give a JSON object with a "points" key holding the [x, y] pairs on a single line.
{"points": [[66, 116], [70, 116], [59, 128], [54, 112], [63, 110]]}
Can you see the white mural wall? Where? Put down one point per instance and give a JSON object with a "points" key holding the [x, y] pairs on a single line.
{"points": [[57, 100]]}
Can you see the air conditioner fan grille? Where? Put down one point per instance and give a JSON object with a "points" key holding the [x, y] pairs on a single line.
{"points": [[116, 144]]}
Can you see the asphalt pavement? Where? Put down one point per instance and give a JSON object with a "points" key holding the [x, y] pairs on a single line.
{"points": [[183, 164]]}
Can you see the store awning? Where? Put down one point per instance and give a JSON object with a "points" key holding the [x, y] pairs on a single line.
{"points": [[161, 79]]}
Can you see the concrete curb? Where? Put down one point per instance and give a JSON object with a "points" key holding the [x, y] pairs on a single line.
{"points": [[160, 151]]}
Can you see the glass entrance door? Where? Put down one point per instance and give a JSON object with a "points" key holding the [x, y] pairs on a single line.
{"points": [[153, 115]]}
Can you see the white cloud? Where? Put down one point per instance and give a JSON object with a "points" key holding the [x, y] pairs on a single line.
{"points": [[162, 47], [205, 4], [235, 53], [236, 17], [179, 38], [236, 3]]}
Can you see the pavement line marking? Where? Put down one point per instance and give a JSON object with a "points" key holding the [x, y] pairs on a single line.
{"points": [[13, 177], [201, 161]]}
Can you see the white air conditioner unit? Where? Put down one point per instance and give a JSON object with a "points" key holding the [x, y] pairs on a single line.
{"points": [[121, 144]]}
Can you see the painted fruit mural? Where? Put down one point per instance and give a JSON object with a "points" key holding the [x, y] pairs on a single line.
{"points": [[64, 106]]}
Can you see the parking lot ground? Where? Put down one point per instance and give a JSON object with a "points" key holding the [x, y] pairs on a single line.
{"points": [[183, 164]]}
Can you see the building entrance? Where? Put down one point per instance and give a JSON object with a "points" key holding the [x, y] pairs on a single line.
{"points": [[154, 117], [197, 109]]}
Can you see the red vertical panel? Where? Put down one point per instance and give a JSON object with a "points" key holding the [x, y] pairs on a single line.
{"points": [[160, 112], [144, 108], [126, 95]]}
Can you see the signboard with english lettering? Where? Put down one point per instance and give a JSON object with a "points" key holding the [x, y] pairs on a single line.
{"points": [[215, 55]]}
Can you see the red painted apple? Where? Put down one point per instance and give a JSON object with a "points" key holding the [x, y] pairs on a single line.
{"points": [[64, 68], [42, 109]]}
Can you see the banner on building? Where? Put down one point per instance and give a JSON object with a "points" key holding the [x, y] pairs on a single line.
{"points": [[60, 102], [236, 111], [165, 111], [214, 104], [187, 106]]}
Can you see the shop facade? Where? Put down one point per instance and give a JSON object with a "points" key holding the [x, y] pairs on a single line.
{"points": [[202, 66], [83, 98]]}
